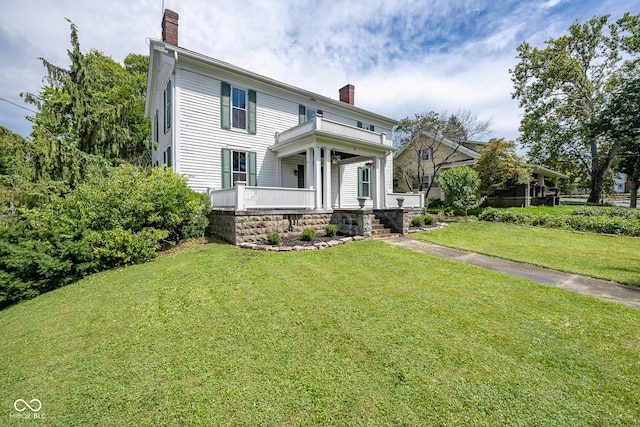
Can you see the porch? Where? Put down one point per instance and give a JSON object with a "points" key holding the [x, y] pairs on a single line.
{"points": [[241, 197], [322, 165]]}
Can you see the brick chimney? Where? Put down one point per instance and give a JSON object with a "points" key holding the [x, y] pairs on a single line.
{"points": [[347, 94], [170, 27]]}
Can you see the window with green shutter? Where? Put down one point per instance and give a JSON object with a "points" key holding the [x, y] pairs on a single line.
{"points": [[238, 166]]}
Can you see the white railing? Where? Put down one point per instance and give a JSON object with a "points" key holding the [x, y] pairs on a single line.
{"points": [[329, 126], [411, 200], [241, 197]]}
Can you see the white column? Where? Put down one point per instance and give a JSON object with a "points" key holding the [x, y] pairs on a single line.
{"points": [[308, 170], [317, 184], [377, 201], [279, 171], [326, 185]]}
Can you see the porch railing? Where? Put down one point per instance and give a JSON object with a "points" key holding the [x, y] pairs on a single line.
{"points": [[241, 197], [411, 200]]}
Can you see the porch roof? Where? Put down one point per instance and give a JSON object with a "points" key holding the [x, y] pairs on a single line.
{"points": [[320, 132]]}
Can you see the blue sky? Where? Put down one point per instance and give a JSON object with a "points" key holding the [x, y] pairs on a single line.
{"points": [[404, 57]]}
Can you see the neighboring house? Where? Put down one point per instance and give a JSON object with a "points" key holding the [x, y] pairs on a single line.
{"points": [[259, 146], [543, 188], [621, 184]]}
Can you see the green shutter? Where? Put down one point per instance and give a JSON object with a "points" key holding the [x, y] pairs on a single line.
{"points": [[169, 108], [226, 168], [225, 106], [169, 158], [252, 112], [359, 124], [251, 158], [360, 178], [302, 114]]}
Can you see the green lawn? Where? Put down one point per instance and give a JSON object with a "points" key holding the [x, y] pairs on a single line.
{"points": [[548, 210], [601, 256], [361, 334]]}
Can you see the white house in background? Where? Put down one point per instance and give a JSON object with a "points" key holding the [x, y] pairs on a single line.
{"points": [[252, 142]]}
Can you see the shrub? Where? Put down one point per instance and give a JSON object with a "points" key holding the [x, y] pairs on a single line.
{"points": [[331, 230], [308, 234], [274, 238], [417, 221], [119, 219], [428, 220]]}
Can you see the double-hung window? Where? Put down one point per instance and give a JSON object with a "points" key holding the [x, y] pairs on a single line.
{"points": [[238, 108], [238, 165], [365, 182]]}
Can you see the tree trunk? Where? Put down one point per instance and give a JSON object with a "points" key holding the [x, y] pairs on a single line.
{"points": [[635, 181]]}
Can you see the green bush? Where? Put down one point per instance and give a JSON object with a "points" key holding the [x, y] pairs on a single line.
{"points": [[331, 230], [274, 238], [428, 220], [417, 221], [123, 218], [308, 234]]}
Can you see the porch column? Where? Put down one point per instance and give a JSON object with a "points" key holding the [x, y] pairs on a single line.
{"points": [[326, 185], [317, 176], [379, 185], [308, 170]]}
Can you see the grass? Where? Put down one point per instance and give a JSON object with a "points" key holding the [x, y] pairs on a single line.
{"points": [[548, 210], [362, 334], [600, 256]]}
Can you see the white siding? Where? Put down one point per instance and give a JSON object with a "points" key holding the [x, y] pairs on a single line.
{"points": [[199, 138]]}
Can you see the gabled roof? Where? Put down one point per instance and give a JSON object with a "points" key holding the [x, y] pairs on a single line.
{"points": [[158, 47], [462, 147]]}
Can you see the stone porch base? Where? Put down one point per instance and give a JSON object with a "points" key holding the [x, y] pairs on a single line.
{"points": [[248, 226]]}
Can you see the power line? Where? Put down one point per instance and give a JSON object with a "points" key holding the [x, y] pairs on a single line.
{"points": [[17, 105]]}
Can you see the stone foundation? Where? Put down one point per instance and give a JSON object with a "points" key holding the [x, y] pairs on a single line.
{"points": [[238, 227]]}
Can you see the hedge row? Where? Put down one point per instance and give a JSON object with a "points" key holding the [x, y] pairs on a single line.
{"points": [[610, 211], [590, 223], [121, 219]]}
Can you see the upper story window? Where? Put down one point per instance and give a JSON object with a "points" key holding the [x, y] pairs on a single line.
{"points": [[239, 108], [426, 153], [305, 114], [361, 125]]}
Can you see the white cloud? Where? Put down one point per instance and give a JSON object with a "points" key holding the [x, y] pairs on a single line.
{"points": [[403, 56]]}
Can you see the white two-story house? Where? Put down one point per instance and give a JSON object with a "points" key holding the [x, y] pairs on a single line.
{"points": [[256, 144]]}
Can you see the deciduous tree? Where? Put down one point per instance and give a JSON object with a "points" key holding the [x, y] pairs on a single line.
{"points": [[564, 86], [499, 165]]}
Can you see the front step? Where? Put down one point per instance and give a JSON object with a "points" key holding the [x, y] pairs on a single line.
{"points": [[380, 231]]}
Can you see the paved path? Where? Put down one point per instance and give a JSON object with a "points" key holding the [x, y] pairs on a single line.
{"points": [[603, 289]]}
